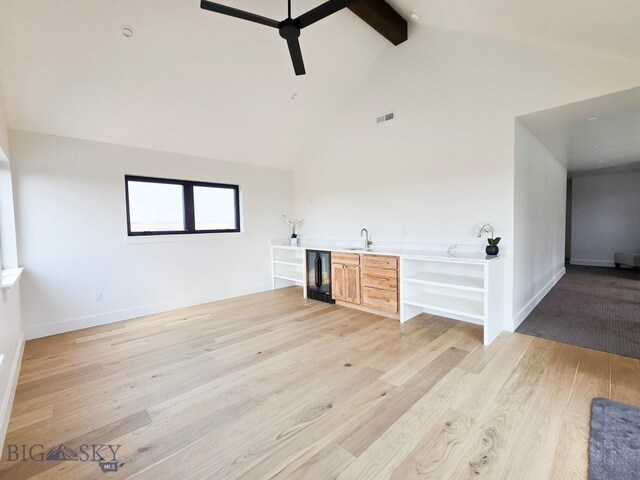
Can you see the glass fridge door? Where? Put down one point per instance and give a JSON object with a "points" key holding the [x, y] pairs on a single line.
{"points": [[319, 275], [325, 272]]}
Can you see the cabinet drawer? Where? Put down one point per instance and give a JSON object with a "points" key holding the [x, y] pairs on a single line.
{"points": [[379, 261], [383, 300], [380, 278], [345, 258]]}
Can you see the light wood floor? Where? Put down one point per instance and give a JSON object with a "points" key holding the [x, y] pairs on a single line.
{"points": [[274, 386]]}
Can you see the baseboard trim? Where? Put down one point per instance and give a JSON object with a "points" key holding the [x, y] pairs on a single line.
{"points": [[73, 324], [537, 298], [9, 394], [591, 263]]}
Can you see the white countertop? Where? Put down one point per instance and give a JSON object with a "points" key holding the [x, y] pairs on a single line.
{"points": [[10, 277], [439, 255]]}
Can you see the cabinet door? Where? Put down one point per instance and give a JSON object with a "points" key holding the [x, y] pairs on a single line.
{"points": [[352, 284], [338, 282]]}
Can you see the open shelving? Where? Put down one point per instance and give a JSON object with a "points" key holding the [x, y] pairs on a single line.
{"points": [[453, 288], [461, 282], [287, 265], [448, 304]]}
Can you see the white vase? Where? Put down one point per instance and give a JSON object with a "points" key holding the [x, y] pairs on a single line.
{"points": [[294, 242]]}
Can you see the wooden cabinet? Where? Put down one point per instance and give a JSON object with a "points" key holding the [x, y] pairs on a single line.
{"points": [[368, 281], [345, 277], [345, 283], [380, 283]]}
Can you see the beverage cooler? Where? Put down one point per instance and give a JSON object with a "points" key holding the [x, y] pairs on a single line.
{"points": [[319, 276]]}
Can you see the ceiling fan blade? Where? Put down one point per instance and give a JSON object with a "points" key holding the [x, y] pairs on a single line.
{"points": [[234, 12], [322, 11], [296, 56]]}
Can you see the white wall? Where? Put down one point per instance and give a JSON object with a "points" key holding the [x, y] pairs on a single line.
{"points": [[4, 132], [11, 345], [606, 218], [9, 254], [72, 234], [11, 339], [539, 223], [447, 162]]}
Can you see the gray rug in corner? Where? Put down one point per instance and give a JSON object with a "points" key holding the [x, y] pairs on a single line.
{"points": [[614, 446]]}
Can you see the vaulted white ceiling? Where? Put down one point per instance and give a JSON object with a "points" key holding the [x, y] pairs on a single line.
{"points": [[598, 133], [189, 81], [195, 82], [599, 27]]}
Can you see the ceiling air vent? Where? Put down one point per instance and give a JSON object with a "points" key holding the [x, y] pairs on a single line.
{"points": [[385, 117]]}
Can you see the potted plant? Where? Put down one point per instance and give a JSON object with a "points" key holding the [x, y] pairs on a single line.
{"points": [[293, 224], [492, 248]]}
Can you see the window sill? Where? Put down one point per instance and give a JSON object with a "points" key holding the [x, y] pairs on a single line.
{"points": [[181, 237], [10, 277]]}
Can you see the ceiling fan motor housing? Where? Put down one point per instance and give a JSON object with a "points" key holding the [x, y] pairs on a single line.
{"points": [[289, 30]]}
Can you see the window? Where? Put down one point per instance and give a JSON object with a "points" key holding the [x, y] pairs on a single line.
{"points": [[158, 206]]}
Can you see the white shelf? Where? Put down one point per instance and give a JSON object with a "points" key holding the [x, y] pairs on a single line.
{"points": [[447, 304], [290, 279], [294, 264], [473, 284], [288, 270], [10, 277], [287, 247]]}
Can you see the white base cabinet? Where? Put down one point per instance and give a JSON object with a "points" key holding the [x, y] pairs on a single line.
{"points": [[462, 290], [288, 265]]}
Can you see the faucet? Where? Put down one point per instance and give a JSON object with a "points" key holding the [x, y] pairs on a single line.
{"points": [[367, 240]]}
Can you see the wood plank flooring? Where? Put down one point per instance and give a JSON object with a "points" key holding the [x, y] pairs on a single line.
{"points": [[272, 386]]}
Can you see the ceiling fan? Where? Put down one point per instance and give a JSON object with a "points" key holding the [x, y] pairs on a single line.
{"points": [[289, 28]]}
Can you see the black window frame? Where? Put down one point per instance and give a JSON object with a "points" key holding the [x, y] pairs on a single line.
{"points": [[188, 205]]}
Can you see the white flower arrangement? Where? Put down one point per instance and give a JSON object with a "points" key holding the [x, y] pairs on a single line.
{"points": [[292, 223]]}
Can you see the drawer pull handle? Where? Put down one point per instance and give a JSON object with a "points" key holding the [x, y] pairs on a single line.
{"points": [[378, 298]]}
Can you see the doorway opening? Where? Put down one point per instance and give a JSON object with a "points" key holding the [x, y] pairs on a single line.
{"points": [[595, 304]]}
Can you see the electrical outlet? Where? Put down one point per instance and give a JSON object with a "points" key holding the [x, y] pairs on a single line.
{"points": [[99, 297]]}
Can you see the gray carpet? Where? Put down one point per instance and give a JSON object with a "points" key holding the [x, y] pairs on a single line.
{"points": [[591, 307], [614, 446]]}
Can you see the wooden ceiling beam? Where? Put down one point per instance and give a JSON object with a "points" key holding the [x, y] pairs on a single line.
{"points": [[383, 18]]}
